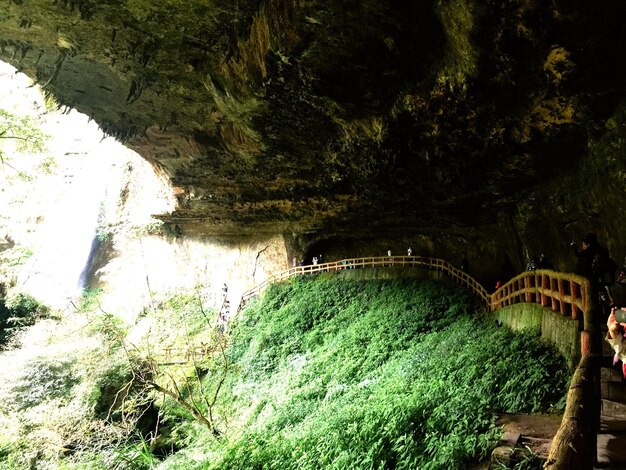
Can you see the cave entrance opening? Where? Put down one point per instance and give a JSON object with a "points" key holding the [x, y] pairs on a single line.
{"points": [[64, 188]]}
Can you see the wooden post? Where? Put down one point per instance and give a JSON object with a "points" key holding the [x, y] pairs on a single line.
{"points": [[574, 445], [552, 298], [544, 286], [574, 293], [585, 342], [584, 296], [561, 296], [527, 295]]}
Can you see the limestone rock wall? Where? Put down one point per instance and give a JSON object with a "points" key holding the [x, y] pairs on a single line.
{"points": [[492, 128]]}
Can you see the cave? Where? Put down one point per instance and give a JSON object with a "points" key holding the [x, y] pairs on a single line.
{"points": [[283, 130], [464, 128]]}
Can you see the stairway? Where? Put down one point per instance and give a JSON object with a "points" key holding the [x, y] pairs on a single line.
{"points": [[612, 435]]}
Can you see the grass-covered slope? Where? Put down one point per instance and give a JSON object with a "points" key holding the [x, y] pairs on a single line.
{"points": [[333, 373]]}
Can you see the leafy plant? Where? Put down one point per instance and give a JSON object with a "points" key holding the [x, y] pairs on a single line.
{"points": [[183, 387], [135, 454], [396, 374], [318, 373], [89, 300], [41, 381], [523, 458], [18, 310], [25, 135]]}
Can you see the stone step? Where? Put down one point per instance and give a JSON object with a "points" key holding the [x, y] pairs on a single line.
{"points": [[515, 448], [613, 409], [503, 452], [611, 443], [611, 374], [612, 384], [613, 391]]}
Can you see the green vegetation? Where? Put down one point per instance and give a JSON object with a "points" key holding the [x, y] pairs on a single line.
{"points": [[24, 135], [319, 373], [89, 300], [19, 310], [525, 459]]}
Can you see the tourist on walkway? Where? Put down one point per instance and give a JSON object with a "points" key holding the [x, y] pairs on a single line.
{"points": [[533, 264], [544, 263], [594, 262], [591, 258]]}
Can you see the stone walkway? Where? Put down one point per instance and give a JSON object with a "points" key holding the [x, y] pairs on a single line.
{"points": [[612, 443], [537, 431]]}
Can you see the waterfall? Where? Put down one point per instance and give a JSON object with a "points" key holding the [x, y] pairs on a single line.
{"points": [[53, 215], [56, 218], [68, 235]]}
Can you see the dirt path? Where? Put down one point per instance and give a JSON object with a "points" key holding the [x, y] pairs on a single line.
{"points": [[529, 425]]}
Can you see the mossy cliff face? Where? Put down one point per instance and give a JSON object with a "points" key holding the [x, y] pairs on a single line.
{"points": [[356, 119]]}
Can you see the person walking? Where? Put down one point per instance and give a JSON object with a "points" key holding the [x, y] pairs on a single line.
{"points": [[594, 262]]}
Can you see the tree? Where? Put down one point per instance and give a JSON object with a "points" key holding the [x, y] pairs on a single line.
{"points": [[193, 383], [23, 132]]}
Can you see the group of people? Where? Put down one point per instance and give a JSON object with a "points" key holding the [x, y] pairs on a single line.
{"points": [[594, 262], [224, 313], [539, 263], [315, 261]]}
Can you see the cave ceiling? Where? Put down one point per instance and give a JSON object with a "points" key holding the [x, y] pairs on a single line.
{"points": [[295, 115]]}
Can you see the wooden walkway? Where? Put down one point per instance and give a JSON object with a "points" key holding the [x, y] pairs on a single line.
{"points": [[421, 262], [565, 293]]}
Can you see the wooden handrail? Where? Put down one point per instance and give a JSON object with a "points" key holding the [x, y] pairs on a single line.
{"points": [[565, 293], [432, 264]]}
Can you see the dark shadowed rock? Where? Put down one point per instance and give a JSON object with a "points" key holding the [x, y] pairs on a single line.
{"points": [[459, 121]]}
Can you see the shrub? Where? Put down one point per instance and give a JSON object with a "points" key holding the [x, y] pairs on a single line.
{"points": [[18, 310], [375, 374]]}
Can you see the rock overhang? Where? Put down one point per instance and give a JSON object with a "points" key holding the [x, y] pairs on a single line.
{"points": [[358, 118]]}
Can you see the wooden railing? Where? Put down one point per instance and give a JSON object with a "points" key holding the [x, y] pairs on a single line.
{"points": [[562, 292], [431, 264], [172, 356], [573, 447], [565, 293]]}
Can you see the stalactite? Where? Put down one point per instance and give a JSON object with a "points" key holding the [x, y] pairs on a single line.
{"points": [[57, 67]]}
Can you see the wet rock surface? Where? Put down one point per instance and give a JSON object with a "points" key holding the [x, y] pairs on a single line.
{"points": [[437, 123]]}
